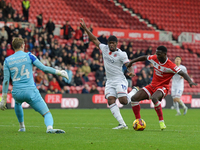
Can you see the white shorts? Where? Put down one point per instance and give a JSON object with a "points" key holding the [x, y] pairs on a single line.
{"points": [[116, 88], [176, 92]]}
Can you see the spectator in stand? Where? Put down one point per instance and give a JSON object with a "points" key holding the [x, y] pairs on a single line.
{"points": [[9, 10], [149, 50], [25, 8], [85, 39], [96, 57], [30, 43], [79, 60], [74, 59], [82, 47], [94, 66], [102, 39], [95, 51], [67, 30], [21, 30], [130, 44], [128, 78], [137, 54], [39, 79], [16, 17], [50, 27], [2, 4], [123, 47], [65, 90], [61, 82], [100, 77], [9, 50], [70, 75], [146, 69], [78, 33], [55, 84], [86, 70], [45, 61], [85, 90], [77, 79], [39, 21], [3, 34], [7, 28], [145, 78], [2, 18], [87, 58], [9, 19], [42, 89], [51, 90], [47, 50], [140, 83], [55, 52], [74, 44], [94, 90], [26, 35], [129, 51], [59, 62], [142, 53]]}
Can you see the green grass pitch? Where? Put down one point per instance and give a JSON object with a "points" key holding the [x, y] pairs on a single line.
{"points": [[91, 129]]}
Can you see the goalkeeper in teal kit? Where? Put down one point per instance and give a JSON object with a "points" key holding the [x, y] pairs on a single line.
{"points": [[19, 67]]}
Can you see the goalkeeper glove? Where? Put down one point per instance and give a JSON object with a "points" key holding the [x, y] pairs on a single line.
{"points": [[3, 101], [62, 73]]}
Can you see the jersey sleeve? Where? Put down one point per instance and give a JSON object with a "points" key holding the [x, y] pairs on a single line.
{"points": [[102, 47], [6, 75], [32, 57], [151, 58], [124, 58], [174, 68]]}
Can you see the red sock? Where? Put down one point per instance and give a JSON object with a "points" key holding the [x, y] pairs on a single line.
{"points": [[159, 112], [136, 111]]}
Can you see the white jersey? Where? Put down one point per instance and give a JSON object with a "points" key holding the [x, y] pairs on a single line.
{"points": [[113, 62], [177, 80]]}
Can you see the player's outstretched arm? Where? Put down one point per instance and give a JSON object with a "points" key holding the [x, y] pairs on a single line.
{"points": [[51, 70], [6, 75], [141, 58], [187, 78], [91, 36]]}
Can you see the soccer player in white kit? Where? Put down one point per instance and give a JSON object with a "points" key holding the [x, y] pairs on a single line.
{"points": [[116, 84], [178, 87]]}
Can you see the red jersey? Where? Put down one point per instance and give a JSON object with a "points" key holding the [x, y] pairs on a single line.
{"points": [[162, 72]]}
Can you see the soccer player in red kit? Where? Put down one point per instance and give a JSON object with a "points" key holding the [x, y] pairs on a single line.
{"points": [[164, 69]]}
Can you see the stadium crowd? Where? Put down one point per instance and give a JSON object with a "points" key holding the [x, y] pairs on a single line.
{"points": [[72, 57]]}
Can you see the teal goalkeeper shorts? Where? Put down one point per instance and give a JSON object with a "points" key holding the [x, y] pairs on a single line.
{"points": [[32, 97]]}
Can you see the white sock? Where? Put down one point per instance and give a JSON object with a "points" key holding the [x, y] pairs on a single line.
{"points": [[161, 121], [176, 106], [182, 104], [157, 104], [116, 113], [130, 94], [21, 124], [134, 103], [49, 127]]}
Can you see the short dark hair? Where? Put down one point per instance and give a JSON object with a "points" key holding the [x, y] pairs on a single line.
{"points": [[112, 38], [162, 48], [178, 57]]}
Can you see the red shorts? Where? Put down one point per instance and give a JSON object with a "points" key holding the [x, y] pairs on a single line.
{"points": [[149, 89]]}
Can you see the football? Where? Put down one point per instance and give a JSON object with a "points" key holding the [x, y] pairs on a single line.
{"points": [[139, 125]]}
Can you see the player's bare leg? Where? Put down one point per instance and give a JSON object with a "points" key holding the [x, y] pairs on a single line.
{"points": [[116, 112], [156, 98], [176, 106], [140, 95], [179, 101]]}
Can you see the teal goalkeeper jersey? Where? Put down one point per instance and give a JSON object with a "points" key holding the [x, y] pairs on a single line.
{"points": [[19, 67]]}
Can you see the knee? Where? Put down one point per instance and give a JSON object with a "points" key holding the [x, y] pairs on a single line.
{"points": [[111, 101], [154, 100], [123, 100]]}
